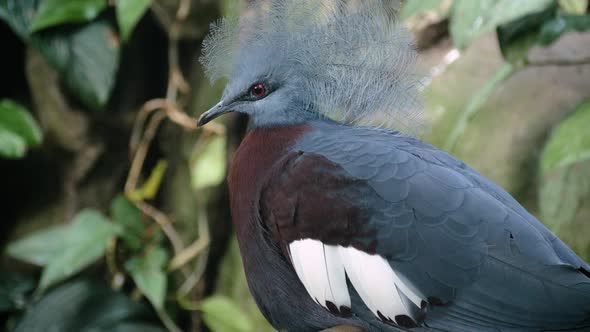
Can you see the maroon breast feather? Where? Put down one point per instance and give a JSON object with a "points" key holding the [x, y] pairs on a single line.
{"points": [[260, 150]]}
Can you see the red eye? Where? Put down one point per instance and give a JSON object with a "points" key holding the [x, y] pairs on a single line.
{"points": [[258, 90]]}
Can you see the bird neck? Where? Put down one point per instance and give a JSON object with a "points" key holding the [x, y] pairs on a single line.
{"points": [[296, 114]]}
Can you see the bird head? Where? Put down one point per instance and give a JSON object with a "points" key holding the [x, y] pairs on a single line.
{"points": [[291, 61], [268, 92]]}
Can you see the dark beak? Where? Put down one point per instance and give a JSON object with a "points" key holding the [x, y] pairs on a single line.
{"points": [[211, 114]]}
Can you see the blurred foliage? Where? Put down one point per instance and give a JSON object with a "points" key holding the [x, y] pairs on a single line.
{"points": [[570, 141], [82, 305], [128, 14], [149, 275], [209, 167], [14, 291], [131, 220], [478, 101], [565, 179], [63, 251], [57, 12], [472, 19], [216, 311], [86, 56], [18, 130]]}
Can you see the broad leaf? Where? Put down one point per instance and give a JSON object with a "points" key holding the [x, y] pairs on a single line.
{"points": [[565, 179], [570, 141], [56, 12], [39, 248], [12, 146], [128, 14], [86, 57], [18, 14], [149, 276], [87, 306], [562, 191], [210, 164], [130, 218], [561, 24], [216, 312], [17, 119], [471, 19], [85, 242], [14, 290], [66, 249], [517, 37]]}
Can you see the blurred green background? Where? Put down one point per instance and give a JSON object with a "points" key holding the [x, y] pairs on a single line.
{"points": [[115, 210]]}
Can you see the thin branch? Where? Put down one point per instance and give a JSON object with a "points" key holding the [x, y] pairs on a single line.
{"points": [[189, 252], [146, 109], [200, 250], [560, 62], [196, 247], [141, 153], [165, 224], [168, 322]]}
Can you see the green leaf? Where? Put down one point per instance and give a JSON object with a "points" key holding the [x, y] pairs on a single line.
{"points": [[565, 180], [17, 14], [149, 276], [217, 309], [87, 306], [86, 57], [85, 241], [16, 118], [14, 289], [209, 166], [517, 37], [472, 19], [577, 7], [56, 12], [130, 218], [39, 248], [562, 190], [128, 14], [570, 141], [18, 130], [12, 146], [561, 24], [66, 249], [413, 8]]}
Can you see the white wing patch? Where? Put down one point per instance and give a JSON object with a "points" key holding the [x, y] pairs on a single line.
{"points": [[323, 269], [320, 269]]}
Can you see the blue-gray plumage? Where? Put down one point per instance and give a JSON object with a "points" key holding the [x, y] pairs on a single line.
{"points": [[457, 236], [348, 224]]}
